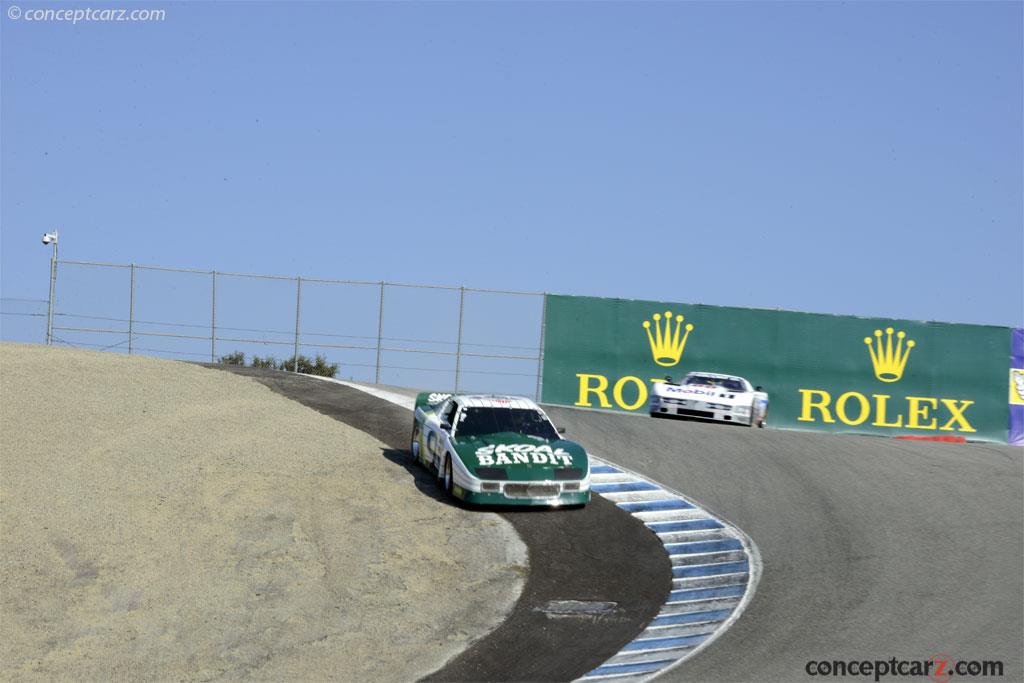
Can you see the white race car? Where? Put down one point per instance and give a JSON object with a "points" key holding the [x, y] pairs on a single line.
{"points": [[710, 396]]}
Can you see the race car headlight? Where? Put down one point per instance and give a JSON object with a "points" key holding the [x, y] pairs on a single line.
{"points": [[741, 410]]}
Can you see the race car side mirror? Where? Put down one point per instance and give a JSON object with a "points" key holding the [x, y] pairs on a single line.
{"points": [[446, 427], [758, 389]]}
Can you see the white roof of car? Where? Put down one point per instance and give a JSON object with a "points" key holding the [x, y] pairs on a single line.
{"points": [[715, 375], [492, 401]]}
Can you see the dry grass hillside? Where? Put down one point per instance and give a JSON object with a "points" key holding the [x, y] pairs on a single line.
{"points": [[164, 521]]}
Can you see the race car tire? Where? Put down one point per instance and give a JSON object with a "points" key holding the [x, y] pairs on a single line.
{"points": [[449, 480], [414, 442]]}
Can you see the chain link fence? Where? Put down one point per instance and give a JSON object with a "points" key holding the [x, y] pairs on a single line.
{"points": [[425, 336]]}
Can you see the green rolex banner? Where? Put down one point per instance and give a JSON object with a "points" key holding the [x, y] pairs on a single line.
{"points": [[821, 372]]}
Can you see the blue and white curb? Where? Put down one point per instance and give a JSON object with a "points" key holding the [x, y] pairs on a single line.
{"points": [[715, 569]]}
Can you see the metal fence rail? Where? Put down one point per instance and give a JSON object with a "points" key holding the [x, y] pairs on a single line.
{"points": [[376, 321]]}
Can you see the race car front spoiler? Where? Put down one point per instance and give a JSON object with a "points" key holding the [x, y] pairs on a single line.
{"points": [[668, 408], [529, 494]]}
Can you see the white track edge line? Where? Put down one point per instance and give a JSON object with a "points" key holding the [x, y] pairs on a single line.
{"points": [[407, 402]]}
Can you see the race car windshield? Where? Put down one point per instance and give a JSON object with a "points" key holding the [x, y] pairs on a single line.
{"points": [[727, 384], [482, 421]]}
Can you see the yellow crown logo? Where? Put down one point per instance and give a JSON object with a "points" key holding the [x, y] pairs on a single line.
{"points": [[889, 362], [666, 345]]}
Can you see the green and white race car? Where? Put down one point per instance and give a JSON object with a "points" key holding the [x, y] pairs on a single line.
{"points": [[498, 450]]}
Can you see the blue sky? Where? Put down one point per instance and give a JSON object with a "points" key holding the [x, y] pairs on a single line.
{"points": [[843, 158]]}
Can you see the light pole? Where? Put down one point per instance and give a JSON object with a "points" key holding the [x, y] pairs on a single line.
{"points": [[51, 238]]}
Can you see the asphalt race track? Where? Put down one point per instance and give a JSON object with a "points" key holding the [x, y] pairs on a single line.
{"points": [[872, 547], [594, 554]]}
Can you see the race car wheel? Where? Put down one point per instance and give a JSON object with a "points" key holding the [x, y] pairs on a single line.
{"points": [[414, 442], [449, 480]]}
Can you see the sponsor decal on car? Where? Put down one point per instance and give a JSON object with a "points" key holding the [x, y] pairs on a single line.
{"points": [[698, 392], [519, 454]]}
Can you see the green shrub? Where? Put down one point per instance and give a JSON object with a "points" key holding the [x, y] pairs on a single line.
{"points": [[236, 358], [289, 365], [269, 363], [320, 366], [324, 369]]}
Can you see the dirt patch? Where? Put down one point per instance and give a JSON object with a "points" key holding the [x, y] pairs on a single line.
{"points": [[166, 521]]}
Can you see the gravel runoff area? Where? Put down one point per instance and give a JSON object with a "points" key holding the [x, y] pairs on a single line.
{"points": [[165, 521]]}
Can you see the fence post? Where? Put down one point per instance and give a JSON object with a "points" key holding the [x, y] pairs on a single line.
{"points": [[298, 310], [380, 331], [458, 345], [53, 284], [131, 310], [213, 320], [540, 351]]}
